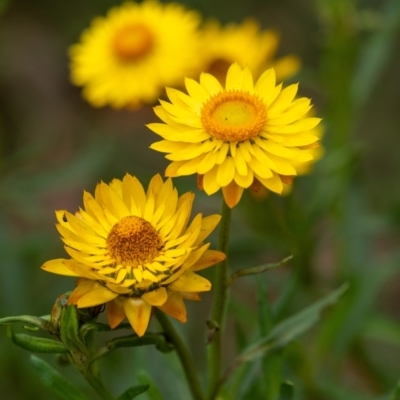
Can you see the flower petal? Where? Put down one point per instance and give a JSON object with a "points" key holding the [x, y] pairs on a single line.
{"points": [[138, 313], [210, 257], [99, 295], [174, 306], [115, 312], [190, 282], [156, 297], [58, 266], [232, 194]]}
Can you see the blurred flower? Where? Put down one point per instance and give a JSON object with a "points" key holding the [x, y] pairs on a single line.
{"points": [[126, 58], [134, 249], [242, 136], [245, 44]]}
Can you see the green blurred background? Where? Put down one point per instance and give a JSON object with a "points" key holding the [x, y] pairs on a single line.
{"points": [[341, 223]]}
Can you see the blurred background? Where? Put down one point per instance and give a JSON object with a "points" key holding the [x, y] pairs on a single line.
{"points": [[341, 222]]}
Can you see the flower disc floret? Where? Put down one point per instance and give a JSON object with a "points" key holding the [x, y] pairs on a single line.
{"points": [[134, 249], [133, 241], [234, 116], [132, 42]]}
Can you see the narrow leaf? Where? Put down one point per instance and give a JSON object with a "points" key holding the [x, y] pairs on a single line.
{"points": [[133, 392], [54, 381], [286, 331], [36, 344]]}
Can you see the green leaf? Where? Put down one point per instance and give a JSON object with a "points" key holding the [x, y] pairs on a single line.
{"points": [[133, 392], [286, 331], [69, 329], [54, 381], [287, 391], [27, 319], [133, 340], [36, 344]]}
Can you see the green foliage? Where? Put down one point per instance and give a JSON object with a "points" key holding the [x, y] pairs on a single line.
{"points": [[36, 344], [54, 381]]}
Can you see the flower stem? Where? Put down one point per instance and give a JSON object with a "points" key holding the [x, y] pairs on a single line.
{"points": [[183, 354], [219, 305]]}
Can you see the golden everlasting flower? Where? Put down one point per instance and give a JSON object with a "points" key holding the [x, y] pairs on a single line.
{"points": [[245, 44], [236, 137], [134, 249], [126, 58]]}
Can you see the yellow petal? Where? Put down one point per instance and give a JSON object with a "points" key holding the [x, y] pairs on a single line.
{"points": [[274, 184], [300, 126], [284, 100], [210, 183], [97, 296], [266, 82], [234, 77], [244, 181], [210, 257], [210, 83], [190, 282], [156, 297], [115, 312], [58, 266], [226, 172], [196, 91], [247, 80], [84, 287], [208, 224], [138, 313], [175, 307], [232, 194], [260, 169], [191, 296]]}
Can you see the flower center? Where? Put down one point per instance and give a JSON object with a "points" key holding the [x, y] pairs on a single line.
{"points": [[132, 42], [234, 116], [133, 241]]}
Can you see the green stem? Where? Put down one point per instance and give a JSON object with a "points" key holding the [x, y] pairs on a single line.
{"points": [[219, 305], [183, 354], [98, 386]]}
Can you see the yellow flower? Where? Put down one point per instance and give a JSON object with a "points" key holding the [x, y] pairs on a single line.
{"points": [[126, 58], [245, 44], [234, 138], [134, 249]]}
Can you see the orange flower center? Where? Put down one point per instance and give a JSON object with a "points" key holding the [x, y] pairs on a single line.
{"points": [[133, 241], [132, 42], [234, 116]]}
